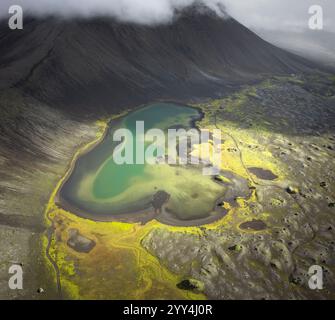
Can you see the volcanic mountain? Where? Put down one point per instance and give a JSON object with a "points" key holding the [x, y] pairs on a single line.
{"points": [[104, 64], [57, 77]]}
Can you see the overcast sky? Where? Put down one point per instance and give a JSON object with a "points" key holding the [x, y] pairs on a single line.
{"points": [[257, 14]]}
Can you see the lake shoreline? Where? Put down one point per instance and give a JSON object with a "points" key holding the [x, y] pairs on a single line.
{"points": [[142, 215]]}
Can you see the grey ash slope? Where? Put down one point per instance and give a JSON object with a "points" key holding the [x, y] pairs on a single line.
{"points": [[101, 63]]}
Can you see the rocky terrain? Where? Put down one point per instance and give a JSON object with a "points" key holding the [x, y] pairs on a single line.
{"points": [[36, 144], [297, 211], [101, 64]]}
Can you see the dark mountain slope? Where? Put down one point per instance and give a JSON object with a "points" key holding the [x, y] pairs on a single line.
{"points": [[101, 63]]}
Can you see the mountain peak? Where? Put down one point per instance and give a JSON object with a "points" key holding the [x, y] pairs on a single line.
{"points": [[100, 63], [200, 9]]}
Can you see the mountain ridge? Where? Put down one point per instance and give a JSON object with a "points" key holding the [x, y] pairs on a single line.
{"points": [[102, 64]]}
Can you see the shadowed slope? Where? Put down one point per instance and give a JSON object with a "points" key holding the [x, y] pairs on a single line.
{"points": [[101, 63]]}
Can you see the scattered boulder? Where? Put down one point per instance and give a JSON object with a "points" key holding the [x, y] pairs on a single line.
{"points": [[236, 248], [191, 285], [263, 174], [159, 199], [255, 225], [295, 280], [219, 178], [292, 190], [323, 184], [40, 290], [79, 243]]}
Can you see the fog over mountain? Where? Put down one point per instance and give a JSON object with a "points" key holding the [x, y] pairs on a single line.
{"points": [[265, 14], [284, 15], [314, 45], [104, 63], [137, 11]]}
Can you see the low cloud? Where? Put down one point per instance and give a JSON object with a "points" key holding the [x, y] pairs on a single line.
{"points": [[283, 15], [137, 11], [288, 15]]}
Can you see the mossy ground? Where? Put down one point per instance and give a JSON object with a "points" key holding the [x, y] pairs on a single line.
{"points": [[120, 267]]}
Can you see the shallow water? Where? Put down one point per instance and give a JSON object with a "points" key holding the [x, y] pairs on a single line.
{"points": [[100, 189]]}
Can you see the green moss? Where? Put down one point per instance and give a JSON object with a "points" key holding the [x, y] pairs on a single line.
{"points": [[221, 178], [276, 202], [236, 248], [332, 78]]}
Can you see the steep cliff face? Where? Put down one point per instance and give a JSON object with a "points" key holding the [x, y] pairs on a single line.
{"points": [[102, 64]]}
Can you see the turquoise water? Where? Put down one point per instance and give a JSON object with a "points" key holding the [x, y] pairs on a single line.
{"points": [[100, 187]]}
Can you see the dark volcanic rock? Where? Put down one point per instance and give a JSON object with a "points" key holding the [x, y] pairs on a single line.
{"points": [[292, 190], [159, 199], [40, 290], [263, 173], [323, 184], [77, 64], [79, 243], [256, 225], [191, 284]]}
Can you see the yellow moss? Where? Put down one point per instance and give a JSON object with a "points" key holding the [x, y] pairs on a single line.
{"points": [[119, 266], [265, 215], [48, 265], [276, 202], [118, 251], [242, 203], [226, 206]]}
